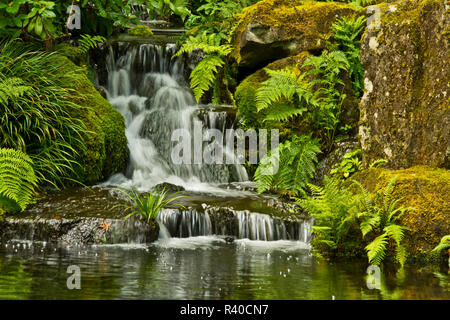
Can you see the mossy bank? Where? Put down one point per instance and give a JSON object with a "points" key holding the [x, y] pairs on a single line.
{"points": [[106, 149], [424, 188]]}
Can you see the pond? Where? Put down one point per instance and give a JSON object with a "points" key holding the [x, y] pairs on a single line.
{"points": [[202, 268]]}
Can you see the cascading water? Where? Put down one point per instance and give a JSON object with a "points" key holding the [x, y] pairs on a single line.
{"points": [[240, 224], [149, 90]]}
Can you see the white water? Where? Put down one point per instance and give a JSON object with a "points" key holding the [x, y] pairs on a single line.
{"points": [[147, 87]]}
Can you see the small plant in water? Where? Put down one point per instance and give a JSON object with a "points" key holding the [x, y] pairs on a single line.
{"points": [[148, 206]]}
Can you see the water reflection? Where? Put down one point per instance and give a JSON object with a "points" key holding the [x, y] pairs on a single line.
{"points": [[202, 268]]}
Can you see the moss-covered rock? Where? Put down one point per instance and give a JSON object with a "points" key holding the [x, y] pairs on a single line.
{"points": [[405, 110], [424, 188], [140, 31], [274, 29], [106, 149]]}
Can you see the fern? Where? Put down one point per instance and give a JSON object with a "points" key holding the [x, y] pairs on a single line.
{"points": [[204, 73], [281, 84], [444, 244], [331, 206], [376, 250], [88, 42], [379, 215], [207, 71], [11, 89], [17, 178], [347, 35], [295, 161], [281, 112]]}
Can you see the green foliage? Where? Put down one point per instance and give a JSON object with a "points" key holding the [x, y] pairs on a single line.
{"points": [[351, 162], [149, 206], [35, 110], [289, 168], [337, 210], [315, 94], [33, 17], [333, 208], [47, 20], [166, 8], [285, 95], [379, 216], [347, 39], [443, 245], [17, 178], [90, 42], [210, 70], [215, 17]]}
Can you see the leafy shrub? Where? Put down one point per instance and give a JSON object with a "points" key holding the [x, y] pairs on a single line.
{"points": [[17, 178], [336, 209], [351, 162], [347, 39], [294, 162], [36, 112]]}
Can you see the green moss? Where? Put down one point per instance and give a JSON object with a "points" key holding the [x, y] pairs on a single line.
{"points": [[140, 31], [74, 54], [303, 20], [106, 150], [424, 188]]}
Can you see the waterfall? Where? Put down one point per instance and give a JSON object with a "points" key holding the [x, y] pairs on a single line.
{"points": [[240, 224], [149, 89]]}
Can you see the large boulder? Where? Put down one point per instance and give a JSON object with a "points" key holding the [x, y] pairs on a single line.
{"points": [[274, 29], [405, 114]]}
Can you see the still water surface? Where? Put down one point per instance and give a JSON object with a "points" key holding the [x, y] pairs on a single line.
{"points": [[202, 268]]}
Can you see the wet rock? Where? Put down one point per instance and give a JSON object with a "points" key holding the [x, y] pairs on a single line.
{"points": [[79, 231], [169, 187], [274, 29], [405, 110]]}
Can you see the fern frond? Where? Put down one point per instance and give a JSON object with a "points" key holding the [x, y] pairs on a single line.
{"points": [[11, 89], [282, 84], [377, 163], [282, 112], [376, 250], [444, 244], [17, 177], [88, 42], [209, 44], [204, 74]]}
